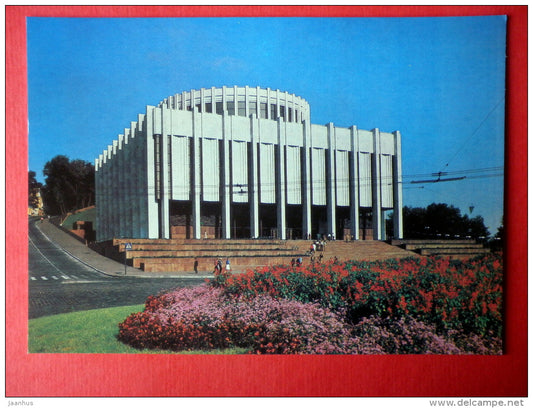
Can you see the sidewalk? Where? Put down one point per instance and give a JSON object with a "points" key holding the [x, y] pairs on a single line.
{"points": [[99, 262]]}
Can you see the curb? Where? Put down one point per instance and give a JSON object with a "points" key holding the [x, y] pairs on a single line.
{"points": [[72, 255]]}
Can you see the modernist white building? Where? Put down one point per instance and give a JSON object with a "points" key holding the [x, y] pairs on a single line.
{"points": [[243, 162]]}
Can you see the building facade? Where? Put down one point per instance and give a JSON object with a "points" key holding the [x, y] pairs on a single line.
{"points": [[243, 162]]}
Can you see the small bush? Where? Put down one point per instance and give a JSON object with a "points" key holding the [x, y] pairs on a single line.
{"points": [[205, 318]]}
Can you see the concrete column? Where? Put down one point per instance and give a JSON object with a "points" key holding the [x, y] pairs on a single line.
{"points": [[115, 195], [330, 180], [153, 127], [277, 103], [196, 175], [247, 101], [280, 181], [306, 179], [103, 210], [164, 211], [376, 186], [141, 181], [268, 104], [253, 179], [202, 99], [133, 187], [226, 179], [397, 186], [121, 214], [97, 192], [127, 189], [354, 182]]}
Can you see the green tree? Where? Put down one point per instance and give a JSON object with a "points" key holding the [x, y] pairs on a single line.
{"points": [[69, 185], [33, 189], [441, 220]]}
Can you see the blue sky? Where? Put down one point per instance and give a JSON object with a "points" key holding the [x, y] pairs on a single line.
{"points": [[439, 81]]}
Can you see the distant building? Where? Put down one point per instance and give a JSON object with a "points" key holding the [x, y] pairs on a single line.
{"points": [[242, 162]]}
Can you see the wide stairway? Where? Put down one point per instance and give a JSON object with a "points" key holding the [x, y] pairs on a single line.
{"points": [[456, 248], [361, 251], [178, 255]]}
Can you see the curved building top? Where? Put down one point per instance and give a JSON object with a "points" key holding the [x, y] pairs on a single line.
{"points": [[242, 101]]}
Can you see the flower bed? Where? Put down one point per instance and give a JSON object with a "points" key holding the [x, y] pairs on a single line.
{"points": [[448, 294], [427, 305], [204, 318]]}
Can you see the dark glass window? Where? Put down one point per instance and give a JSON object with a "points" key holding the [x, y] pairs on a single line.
{"points": [[252, 108], [273, 112], [290, 115], [282, 112], [209, 107], [231, 108], [241, 105], [263, 108], [199, 107], [219, 108]]}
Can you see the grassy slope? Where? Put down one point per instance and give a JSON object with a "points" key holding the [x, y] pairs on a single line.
{"points": [[92, 331]]}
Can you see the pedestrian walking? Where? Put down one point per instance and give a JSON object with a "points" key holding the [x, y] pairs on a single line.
{"points": [[228, 266], [195, 265]]}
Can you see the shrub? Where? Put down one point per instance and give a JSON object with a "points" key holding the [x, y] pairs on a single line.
{"points": [[378, 335], [204, 318], [464, 296], [401, 336]]}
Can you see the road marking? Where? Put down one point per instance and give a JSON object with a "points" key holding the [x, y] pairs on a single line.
{"points": [[43, 255], [44, 278], [74, 277], [65, 277], [33, 278], [55, 277]]}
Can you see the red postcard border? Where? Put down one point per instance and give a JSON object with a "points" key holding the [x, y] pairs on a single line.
{"points": [[96, 375]]}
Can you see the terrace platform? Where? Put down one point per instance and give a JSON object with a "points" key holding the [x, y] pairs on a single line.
{"points": [[178, 255], [453, 248]]}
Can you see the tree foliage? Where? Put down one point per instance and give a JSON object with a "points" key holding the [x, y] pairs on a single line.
{"points": [[33, 190], [69, 185], [441, 220]]}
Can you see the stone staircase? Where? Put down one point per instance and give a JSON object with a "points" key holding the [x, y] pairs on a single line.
{"points": [[178, 255], [362, 251], [456, 248]]}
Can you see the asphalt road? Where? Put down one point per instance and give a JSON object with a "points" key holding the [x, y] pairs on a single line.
{"points": [[58, 283]]}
